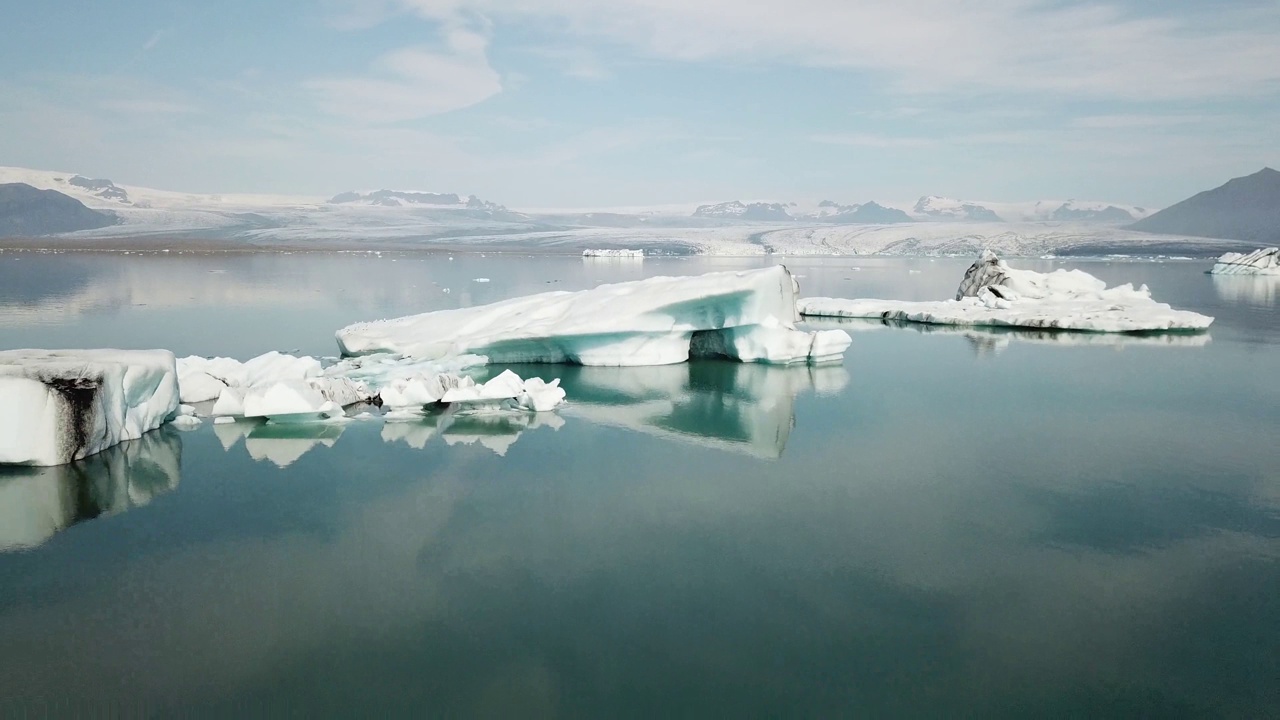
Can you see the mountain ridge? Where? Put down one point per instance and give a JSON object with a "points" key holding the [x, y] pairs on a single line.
{"points": [[1243, 208]]}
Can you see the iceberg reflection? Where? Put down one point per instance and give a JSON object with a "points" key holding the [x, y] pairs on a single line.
{"points": [[497, 431], [740, 407], [282, 444], [988, 341], [1261, 290], [38, 502]]}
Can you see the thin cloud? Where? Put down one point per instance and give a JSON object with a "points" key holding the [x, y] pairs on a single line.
{"points": [[414, 82], [1105, 50]]}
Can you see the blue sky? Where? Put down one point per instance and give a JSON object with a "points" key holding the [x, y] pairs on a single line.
{"points": [[577, 103]]}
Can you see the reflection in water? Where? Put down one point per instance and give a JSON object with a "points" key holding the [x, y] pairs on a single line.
{"points": [[495, 431], [37, 502], [283, 443], [988, 341], [1260, 290], [742, 407]]}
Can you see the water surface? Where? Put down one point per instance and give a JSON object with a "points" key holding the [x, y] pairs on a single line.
{"points": [[953, 522]]}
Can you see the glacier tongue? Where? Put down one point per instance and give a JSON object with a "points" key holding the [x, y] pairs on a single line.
{"points": [[644, 322], [1265, 261], [994, 294], [57, 406]]}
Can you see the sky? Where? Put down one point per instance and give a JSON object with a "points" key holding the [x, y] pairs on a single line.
{"points": [[594, 103]]}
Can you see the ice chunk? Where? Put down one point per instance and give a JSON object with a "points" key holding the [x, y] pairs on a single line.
{"points": [[289, 401], [540, 396], [235, 381], [36, 502], [199, 386], [994, 294], [772, 344], [612, 253], [645, 322], [62, 405], [1259, 262], [230, 403]]}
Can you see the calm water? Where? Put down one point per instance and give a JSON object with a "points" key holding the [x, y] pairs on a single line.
{"points": [[952, 523]]}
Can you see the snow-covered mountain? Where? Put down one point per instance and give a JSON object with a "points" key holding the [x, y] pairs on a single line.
{"points": [[472, 206], [933, 207], [825, 211], [737, 210], [414, 219]]}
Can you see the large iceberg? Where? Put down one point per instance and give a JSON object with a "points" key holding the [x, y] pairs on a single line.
{"points": [[57, 406], [1259, 262], [994, 294], [747, 316]]}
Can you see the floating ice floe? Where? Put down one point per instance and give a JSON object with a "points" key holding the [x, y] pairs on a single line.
{"points": [[57, 406], [994, 294], [288, 389], [1259, 262], [747, 316], [273, 385], [612, 253], [987, 341]]}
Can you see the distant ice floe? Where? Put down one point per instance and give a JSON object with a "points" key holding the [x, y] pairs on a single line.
{"points": [[612, 253], [1259, 262], [994, 294], [747, 316], [57, 406], [989, 341]]}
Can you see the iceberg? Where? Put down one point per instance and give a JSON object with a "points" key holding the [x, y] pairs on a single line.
{"points": [[1259, 262], [273, 385], [990, 341], [37, 502], [994, 294], [57, 406], [643, 322]]}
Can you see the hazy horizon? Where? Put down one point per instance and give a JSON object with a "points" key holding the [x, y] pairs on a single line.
{"points": [[563, 105]]}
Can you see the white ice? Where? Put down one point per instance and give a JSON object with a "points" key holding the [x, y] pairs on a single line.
{"points": [[1259, 262], [644, 322], [994, 294], [62, 405], [273, 385]]}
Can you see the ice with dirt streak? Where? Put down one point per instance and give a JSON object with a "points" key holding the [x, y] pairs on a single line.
{"points": [[743, 315], [1265, 261], [994, 294], [57, 406]]}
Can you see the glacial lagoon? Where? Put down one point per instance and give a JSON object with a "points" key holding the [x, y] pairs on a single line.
{"points": [[1018, 524]]}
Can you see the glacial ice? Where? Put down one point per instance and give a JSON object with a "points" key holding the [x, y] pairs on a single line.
{"points": [[644, 322], [1265, 261], [994, 294], [57, 406], [284, 388], [273, 385]]}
